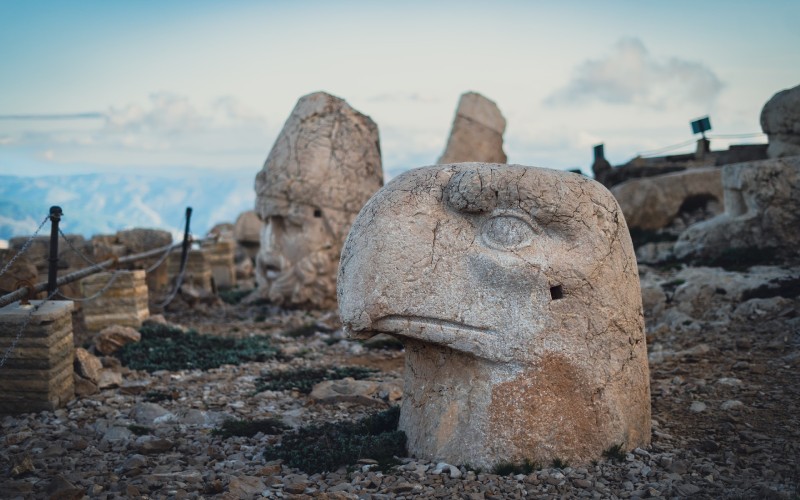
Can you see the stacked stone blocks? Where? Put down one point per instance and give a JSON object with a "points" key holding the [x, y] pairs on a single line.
{"points": [[37, 375], [123, 303]]}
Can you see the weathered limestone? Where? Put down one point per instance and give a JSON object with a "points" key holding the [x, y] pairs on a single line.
{"points": [[762, 211], [37, 376], [21, 270], [515, 290], [324, 166], [477, 133], [123, 303], [197, 273], [113, 338], [133, 241], [69, 260], [654, 202], [780, 120], [220, 257], [247, 232]]}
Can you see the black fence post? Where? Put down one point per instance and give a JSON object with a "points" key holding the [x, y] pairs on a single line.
{"points": [[186, 241], [52, 270]]}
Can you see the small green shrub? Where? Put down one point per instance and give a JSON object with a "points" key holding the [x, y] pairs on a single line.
{"points": [[166, 348], [615, 453], [510, 468], [233, 296], [670, 286], [304, 331], [559, 464], [741, 259], [328, 446], [139, 430], [787, 288], [641, 237], [249, 428], [156, 396], [383, 341], [304, 379]]}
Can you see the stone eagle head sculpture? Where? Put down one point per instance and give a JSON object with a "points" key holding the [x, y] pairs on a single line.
{"points": [[516, 292]]}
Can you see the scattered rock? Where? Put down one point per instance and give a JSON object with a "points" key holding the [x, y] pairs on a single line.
{"points": [[112, 338]]}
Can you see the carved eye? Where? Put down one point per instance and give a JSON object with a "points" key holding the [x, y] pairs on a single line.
{"points": [[507, 232]]}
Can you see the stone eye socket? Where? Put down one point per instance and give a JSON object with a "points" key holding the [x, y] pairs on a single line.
{"points": [[507, 232]]}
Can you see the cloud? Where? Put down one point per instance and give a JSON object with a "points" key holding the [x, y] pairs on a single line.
{"points": [[55, 116], [631, 75], [222, 132], [402, 97]]}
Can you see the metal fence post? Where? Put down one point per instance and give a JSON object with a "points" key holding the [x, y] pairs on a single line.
{"points": [[52, 271]]}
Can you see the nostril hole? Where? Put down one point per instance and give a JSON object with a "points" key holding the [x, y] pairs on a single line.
{"points": [[317, 212], [556, 292]]}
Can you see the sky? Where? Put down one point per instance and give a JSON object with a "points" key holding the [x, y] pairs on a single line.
{"points": [[171, 86]]}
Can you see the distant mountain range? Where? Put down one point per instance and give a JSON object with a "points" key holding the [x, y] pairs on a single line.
{"points": [[106, 203]]}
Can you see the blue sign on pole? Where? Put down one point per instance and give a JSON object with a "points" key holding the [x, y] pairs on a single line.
{"points": [[701, 125]]}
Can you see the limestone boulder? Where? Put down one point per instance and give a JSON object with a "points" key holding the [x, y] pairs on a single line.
{"points": [[762, 211], [654, 202], [87, 365], [324, 166], [780, 120], [247, 229], [477, 133], [515, 290], [112, 338], [363, 392]]}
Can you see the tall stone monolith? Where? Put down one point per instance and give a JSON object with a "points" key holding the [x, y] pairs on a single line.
{"points": [[477, 133]]}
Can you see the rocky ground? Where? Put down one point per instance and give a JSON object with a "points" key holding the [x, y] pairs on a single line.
{"points": [[724, 365]]}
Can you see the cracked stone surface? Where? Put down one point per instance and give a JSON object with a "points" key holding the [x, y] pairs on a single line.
{"points": [[477, 133], [515, 290], [654, 202], [324, 166], [762, 210], [780, 120]]}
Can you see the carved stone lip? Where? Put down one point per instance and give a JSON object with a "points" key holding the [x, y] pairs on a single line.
{"points": [[400, 324], [459, 336]]}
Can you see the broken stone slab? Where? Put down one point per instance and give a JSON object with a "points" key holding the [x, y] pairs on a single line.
{"points": [[477, 133], [323, 167], [654, 202], [87, 365], [516, 292], [762, 213], [780, 120]]}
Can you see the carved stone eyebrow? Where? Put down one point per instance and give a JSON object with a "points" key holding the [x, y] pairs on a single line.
{"points": [[467, 191]]}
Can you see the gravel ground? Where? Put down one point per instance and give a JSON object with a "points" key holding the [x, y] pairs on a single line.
{"points": [[725, 405]]}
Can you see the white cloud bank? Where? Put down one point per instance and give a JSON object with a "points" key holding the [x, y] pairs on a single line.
{"points": [[631, 75]]}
